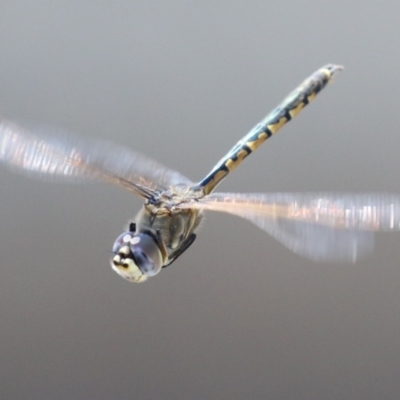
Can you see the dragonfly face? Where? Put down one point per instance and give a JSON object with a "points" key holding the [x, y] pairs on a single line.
{"points": [[136, 256], [319, 226]]}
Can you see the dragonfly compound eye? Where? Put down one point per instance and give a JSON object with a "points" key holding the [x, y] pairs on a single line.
{"points": [[136, 257]]}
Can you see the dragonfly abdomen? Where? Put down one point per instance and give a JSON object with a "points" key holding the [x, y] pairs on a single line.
{"points": [[282, 114]]}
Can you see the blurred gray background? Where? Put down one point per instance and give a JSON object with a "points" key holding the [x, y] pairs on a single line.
{"points": [[238, 316]]}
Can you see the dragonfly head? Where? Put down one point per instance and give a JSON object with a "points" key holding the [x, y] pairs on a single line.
{"points": [[136, 256]]}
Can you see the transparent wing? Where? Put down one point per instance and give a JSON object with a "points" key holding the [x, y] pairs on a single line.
{"points": [[319, 226], [63, 156]]}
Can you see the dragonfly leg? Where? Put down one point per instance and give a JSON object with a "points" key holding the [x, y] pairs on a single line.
{"points": [[161, 245], [182, 248]]}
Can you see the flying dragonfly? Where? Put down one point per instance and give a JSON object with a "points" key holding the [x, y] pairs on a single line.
{"points": [[319, 226]]}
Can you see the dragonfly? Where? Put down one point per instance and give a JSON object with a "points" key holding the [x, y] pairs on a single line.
{"points": [[319, 226]]}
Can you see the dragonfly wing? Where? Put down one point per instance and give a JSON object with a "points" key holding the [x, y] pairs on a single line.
{"points": [[320, 226], [317, 242], [63, 156]]}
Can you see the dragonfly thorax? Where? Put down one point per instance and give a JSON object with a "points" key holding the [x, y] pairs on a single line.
{"points": [[136, 256]]}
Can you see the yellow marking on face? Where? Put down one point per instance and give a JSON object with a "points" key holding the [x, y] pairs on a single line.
{"points": [[255, 143], [127, 269], [278, 125], [133, 270], [124, 250], [294, 111], [232, 164], [142, 278]]}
